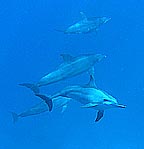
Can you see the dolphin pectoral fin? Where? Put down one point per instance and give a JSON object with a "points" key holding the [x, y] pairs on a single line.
{"points": [[67, 58], [99, 115], [89, 105], [47, 100], [64, 108], [33, 87]]}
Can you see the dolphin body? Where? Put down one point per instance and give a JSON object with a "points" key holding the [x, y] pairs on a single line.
{"points": [[89, 96], [58, 102], [86, 25], [72, 66]]}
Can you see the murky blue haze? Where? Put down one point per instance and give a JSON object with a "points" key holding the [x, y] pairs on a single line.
{"points": [[30, 48]]}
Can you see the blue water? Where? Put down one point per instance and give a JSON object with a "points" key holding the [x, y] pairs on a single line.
{"points": [[30, 48]]}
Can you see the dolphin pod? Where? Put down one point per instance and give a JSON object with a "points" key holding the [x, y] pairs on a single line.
{"points": [[89, 95]]}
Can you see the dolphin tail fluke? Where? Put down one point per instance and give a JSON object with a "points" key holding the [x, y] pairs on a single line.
{"points": [[47, 100], [99, 115], [15, 117], [33, 87]]}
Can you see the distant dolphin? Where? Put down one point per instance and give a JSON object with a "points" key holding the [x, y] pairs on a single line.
{"points": [[72, 66], [58, 102], [89, 96], [86, 25]]}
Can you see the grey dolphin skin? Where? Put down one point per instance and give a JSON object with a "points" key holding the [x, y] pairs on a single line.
{"points": [[72, 66], [89, 96], [86, 25], [58, 102]]}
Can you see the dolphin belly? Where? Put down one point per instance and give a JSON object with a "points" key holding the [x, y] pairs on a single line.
{"points": [[102, 106], [67, 71], [50, 78]]}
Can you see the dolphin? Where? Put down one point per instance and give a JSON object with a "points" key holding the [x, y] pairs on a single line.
{"points": [[58, 102], [90, 96], [71, 66], [86, 25]]}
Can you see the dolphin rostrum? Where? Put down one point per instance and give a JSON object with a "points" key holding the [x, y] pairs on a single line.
{"points": [[86, 25], [71, 66], [89, 96], [58, 102]]}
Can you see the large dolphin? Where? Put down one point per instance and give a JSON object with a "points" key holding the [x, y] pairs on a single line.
{"points": [[86, 25], [89, 96], [72, 66], [58, 102]]}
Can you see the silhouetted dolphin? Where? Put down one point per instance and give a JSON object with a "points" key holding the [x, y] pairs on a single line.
{"points": [[72, 66], [89, 96], [86, 25], [58, 102]]}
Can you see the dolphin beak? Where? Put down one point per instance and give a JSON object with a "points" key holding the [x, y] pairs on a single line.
{"points": [[108, 19], [121, 106]]}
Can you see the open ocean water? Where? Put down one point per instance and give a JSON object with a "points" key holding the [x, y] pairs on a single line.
{"points": [[30, 47]]}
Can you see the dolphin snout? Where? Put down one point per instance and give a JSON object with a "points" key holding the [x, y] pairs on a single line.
{"points": [[99, 57], [122, 106], [107, 19]]}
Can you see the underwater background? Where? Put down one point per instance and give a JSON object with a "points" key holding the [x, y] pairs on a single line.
{"points": [[30, 48]]}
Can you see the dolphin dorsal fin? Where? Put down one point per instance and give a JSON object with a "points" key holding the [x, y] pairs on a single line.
{"points": [[67, 58], [83, 16], [92, 82]]}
